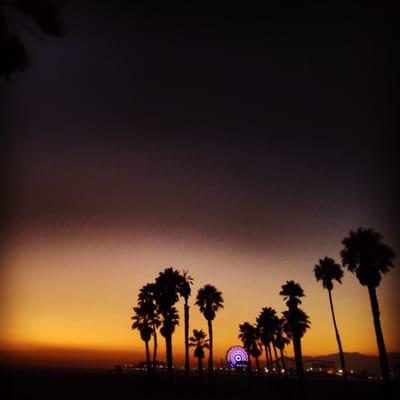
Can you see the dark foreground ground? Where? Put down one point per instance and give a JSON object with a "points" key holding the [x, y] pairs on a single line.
{"points": [[73, 384]]}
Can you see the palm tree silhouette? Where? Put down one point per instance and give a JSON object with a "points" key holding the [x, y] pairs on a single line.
{"points": [[326, 271], [142, 324], [200, 342], [255, 352], [281, 341], [365, 255], [185, 291], [147, 301], [266, 323], [167, 329], [250, 339], [274, 346], [34, 17], [166, 296], [209, 300], [296, 322], [292, 292]]}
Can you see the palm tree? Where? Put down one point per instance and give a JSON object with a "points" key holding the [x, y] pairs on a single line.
{"points": [[296, 322], [365, 255], [209, 300], [255, 352], [147, 301], [39, 18], [185, 291], [266, 323], [167, 329], [327, 271], [200, 342], [275, 323], [142, 324], [166, 296], [281, 341], [291, 292], [250, 339]]}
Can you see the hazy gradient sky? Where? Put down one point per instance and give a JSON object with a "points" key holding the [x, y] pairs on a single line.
{"points": [[238, 144]]}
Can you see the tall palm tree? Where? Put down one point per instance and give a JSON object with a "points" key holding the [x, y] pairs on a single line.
{"points": [[365, 255], [327, 271], [142, 324], [275, 324], [200, 342], [167, 329], [296, 322], [291, 292], [266, 323], [248, 334], [185, 291], [281, 341], [209, 300], [255, 352], [147, 301], [166, 296]]}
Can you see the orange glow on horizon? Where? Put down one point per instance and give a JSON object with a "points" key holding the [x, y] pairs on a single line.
{"points": [[74, 296]]}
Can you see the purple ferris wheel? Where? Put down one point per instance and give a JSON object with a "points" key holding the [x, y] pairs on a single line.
{"points": [[237, 357]]}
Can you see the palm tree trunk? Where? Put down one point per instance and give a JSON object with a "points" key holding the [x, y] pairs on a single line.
{"points": [[210, 359], [249, 369], [379, 336], [186, 316], [148, 367], [168, 347], [298, 356], [270, 357], [155, 347], [278, 366], [200, 368], [266, 357], [258, 366], [283, 360], [339, 342]]}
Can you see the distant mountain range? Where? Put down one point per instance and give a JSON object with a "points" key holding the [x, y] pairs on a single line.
{"points": [[359, 362]]}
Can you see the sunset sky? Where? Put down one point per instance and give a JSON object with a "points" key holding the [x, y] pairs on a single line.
{"points": [[238, 144]]}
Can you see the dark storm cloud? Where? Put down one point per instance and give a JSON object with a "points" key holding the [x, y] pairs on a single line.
{"points": [[235, 123]]}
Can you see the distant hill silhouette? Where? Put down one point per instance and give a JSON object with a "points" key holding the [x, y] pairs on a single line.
{"points": [[357, 361]]}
